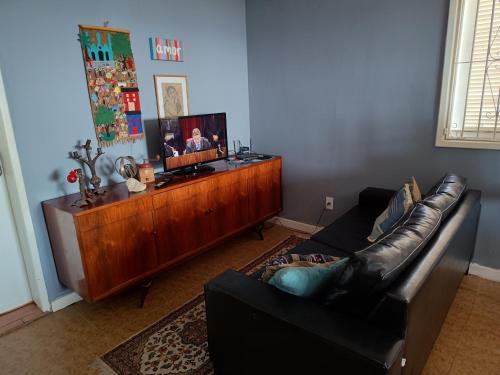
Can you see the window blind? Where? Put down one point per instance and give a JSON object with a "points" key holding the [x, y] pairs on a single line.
{"points": [[479, 119]]}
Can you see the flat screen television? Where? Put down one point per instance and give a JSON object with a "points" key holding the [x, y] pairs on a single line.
{"points": [[190, 141]]}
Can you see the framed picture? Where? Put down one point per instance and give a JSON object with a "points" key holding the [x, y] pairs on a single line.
{"points": [[172, 98]]}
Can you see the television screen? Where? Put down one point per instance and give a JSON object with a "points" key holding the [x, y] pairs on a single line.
{"points": [[191, 140]]}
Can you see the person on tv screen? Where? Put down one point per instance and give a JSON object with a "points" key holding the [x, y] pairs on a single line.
{"points": [[197, 143], [169, 150], [219, 152], [172, 136], [213, 131]]}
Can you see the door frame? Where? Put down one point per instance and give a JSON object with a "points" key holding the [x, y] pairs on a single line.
{"points": [[19, 202]]}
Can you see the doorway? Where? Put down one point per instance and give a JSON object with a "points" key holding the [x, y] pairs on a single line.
{"points": [[21, 276], [14, 286]]}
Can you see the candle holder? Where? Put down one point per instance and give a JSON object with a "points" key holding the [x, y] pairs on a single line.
{"points": [[95, 180]]}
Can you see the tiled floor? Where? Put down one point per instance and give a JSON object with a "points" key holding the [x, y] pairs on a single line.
{"points": [[469, 342], [69, 341]]}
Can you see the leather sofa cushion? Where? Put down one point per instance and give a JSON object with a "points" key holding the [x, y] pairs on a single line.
{"points": [[375, 267], [350, 231], [446, 193]]}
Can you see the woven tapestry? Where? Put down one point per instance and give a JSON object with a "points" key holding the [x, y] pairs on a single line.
{"points": [[112, 84]]}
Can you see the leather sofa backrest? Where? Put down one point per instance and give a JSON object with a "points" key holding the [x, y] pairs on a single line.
{"points": [[446, 193], [375, 267], [416, 304]]}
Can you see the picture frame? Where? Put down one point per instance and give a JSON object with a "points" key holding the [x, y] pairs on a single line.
{"points": [[172, 98]]}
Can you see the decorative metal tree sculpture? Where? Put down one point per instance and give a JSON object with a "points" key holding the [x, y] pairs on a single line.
{"points": [[95, 180], [86, 197]]}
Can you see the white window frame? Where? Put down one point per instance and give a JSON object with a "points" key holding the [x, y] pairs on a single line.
{"points": [[455, 20]]}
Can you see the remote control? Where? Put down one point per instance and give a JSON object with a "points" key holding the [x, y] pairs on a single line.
{"points": [[161, 184]]}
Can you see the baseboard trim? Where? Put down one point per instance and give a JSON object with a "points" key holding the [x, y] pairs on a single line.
{"points": [[295, 225], [64, 301], [484, 272]]}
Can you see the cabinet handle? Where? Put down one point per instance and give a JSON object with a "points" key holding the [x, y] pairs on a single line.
{"points": [[154, 233]]}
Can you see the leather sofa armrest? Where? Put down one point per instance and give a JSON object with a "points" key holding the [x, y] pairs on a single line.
{"points": [[253, 327], [375, 198]]}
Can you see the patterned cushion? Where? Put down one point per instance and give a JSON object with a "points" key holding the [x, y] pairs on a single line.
{"points": [[398, 206]]}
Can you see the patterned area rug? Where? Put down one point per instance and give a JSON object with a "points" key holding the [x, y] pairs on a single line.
{"points": [[177, 344]]}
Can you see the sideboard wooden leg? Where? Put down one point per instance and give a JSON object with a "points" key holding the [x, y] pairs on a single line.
{"points": [[259, 229], [144, 291]]}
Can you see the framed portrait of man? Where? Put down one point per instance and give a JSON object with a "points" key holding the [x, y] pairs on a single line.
{"points": [[172, 98]]}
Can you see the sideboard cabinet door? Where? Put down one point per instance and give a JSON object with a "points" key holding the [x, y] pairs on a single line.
{"points": [[183, 221], [118, 252], [229, 204]]}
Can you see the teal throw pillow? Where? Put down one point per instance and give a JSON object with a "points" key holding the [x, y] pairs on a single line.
{"points": [[306, 281]]}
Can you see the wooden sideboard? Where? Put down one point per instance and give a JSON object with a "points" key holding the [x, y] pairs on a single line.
{"points": [[125, 238]]}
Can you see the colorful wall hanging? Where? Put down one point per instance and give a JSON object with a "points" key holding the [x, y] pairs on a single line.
{"points": [[112, 83], [166, 49]]}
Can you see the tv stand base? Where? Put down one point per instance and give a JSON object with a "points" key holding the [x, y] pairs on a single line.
{"points": [[196, 169]]}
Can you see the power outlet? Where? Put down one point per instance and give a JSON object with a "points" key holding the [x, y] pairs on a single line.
{"points": [[329, 203]]}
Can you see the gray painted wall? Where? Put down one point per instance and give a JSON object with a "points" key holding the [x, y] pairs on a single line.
{"points": [[347, 91], [42, 65]]}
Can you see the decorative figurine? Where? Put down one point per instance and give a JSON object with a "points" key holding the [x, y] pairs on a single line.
{"points": [[86, 197], [95, 180], [127, 168]]}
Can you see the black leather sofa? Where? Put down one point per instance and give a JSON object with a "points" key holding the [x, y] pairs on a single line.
{"points": [[254, 328]]}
